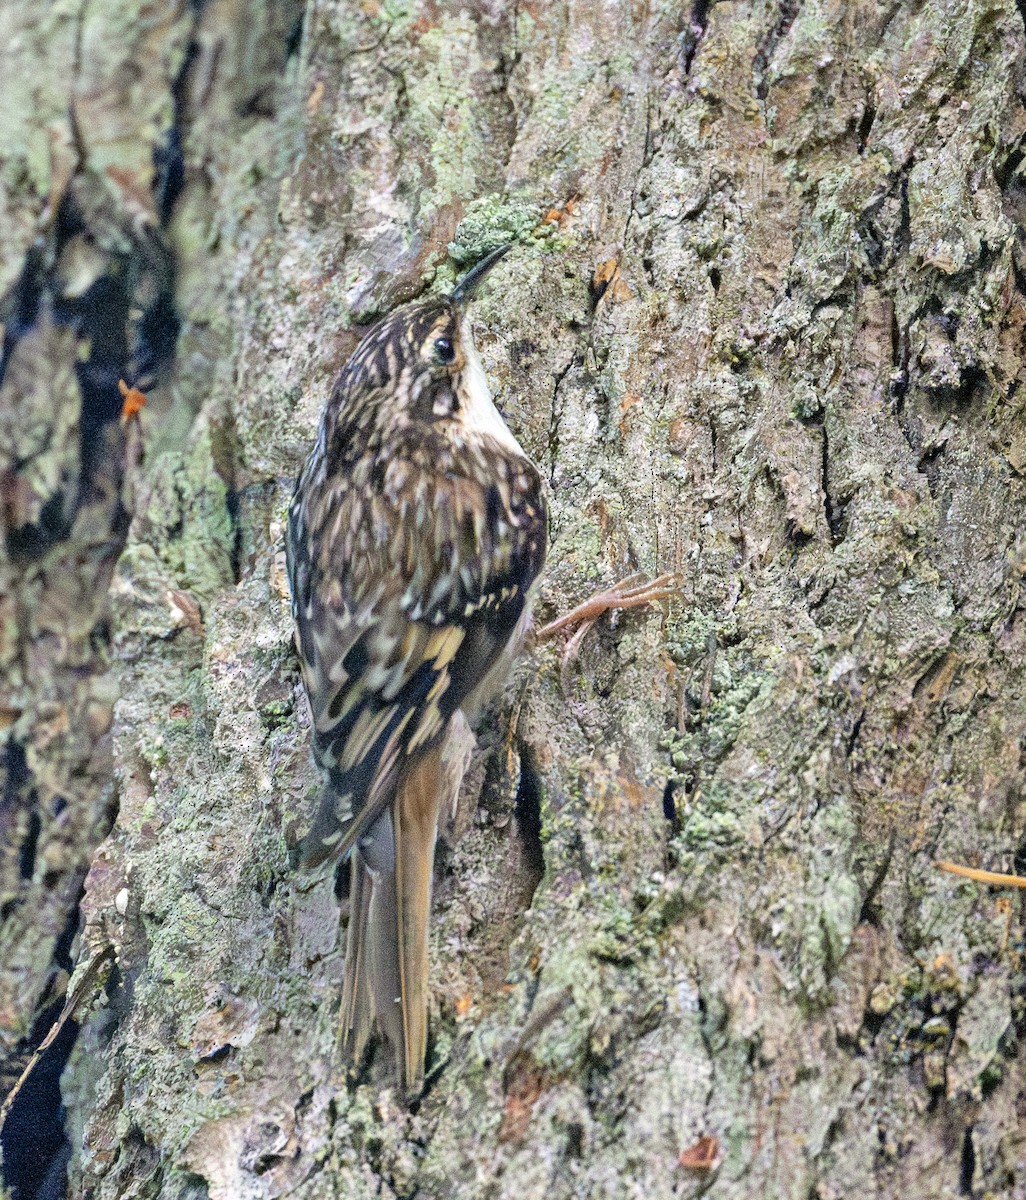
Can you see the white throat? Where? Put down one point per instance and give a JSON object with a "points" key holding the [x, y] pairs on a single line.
{"points": [[478, 410]]}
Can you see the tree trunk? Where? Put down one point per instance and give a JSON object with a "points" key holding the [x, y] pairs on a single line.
{"points": [[762, 328]]}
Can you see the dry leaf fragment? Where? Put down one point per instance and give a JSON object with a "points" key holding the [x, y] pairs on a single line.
{"points": [[184, 610], [702, 1155]]}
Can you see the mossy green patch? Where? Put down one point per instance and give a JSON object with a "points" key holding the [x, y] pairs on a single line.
{"points": [[494, 221]]}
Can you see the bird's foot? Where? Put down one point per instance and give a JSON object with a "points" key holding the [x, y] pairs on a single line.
{"points": [[632, 592]]}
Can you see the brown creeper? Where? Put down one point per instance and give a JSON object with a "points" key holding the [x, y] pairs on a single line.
{"points": [[415, 534]]}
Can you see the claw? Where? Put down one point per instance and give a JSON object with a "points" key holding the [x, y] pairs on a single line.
{"points": [[632, 592]]}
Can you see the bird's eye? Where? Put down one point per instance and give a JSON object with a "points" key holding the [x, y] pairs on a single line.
{"points": [[443, 350]]}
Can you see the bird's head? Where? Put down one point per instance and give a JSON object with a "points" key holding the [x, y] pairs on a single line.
{"points": [[418, 366]]}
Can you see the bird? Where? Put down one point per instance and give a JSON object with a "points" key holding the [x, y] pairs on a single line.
{"points": [[415, 538]]}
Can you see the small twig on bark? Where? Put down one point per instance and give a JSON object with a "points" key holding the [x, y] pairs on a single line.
{"points": [[979, 876], [85, 991]]}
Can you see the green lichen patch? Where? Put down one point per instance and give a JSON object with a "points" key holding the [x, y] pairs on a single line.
{"points": [[491, 222]]}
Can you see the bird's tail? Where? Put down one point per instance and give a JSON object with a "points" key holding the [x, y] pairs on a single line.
{"points": [[386, 971]]}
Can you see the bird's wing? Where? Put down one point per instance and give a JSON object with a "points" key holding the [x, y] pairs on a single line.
{"points": [[407, 584]]}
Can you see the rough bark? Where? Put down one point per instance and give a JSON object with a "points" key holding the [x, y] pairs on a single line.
{"points": [[762, 328]]}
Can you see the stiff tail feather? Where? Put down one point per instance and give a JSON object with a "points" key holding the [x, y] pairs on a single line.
{"points": [[356, 1014], [386, 970], [415, 814]]}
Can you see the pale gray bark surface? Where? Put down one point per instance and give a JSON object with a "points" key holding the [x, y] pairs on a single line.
{"points": [[770, 340]]}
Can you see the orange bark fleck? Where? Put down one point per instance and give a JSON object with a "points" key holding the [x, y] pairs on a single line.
{"points": [[313, 101], [133, 401], [527, 1085]]}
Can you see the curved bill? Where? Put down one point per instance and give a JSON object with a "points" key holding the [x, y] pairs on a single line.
{"points": [[468, 285]]}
